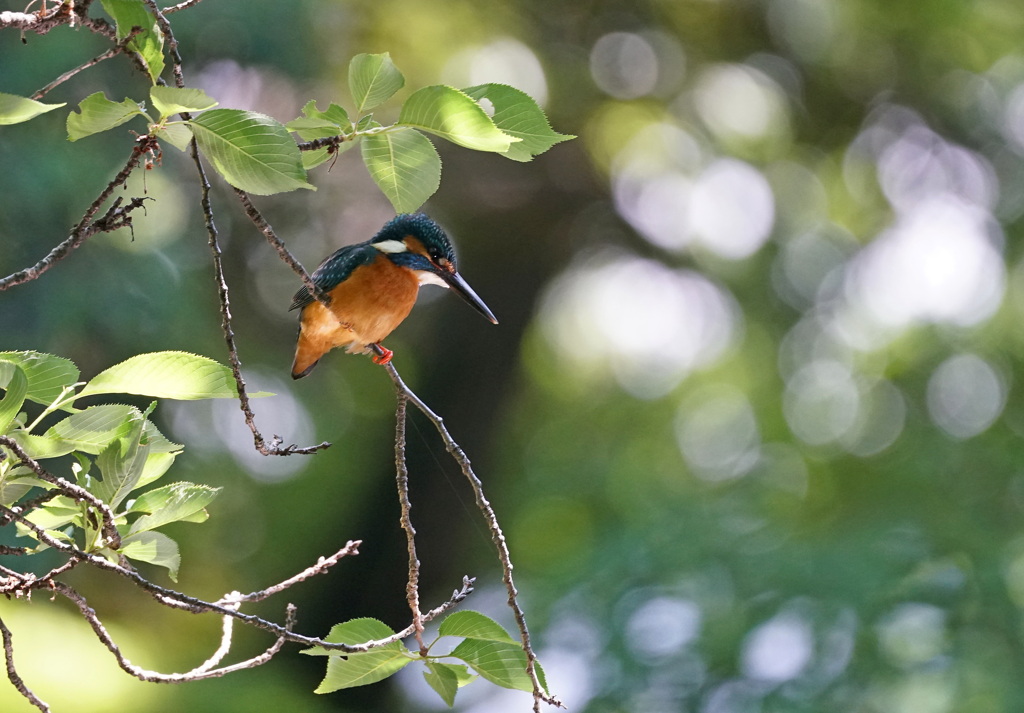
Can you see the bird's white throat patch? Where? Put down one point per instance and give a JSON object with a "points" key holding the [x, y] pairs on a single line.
{"points": [[391, 246], [429, 278]]}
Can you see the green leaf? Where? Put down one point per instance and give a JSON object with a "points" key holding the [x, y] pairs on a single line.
{"points": [[149, 43], [372, 79], [97, 113], [446, 679], [58, 512], [454, 116], [363, 668], [14, 398], [92, 429], [355, 631], [500, 663], [404, 165], [48, 375], [252, 151], [170, 375], [518, 115], [474, 625], [172, 100], [15, 109], [316, 124], [40, 447], [155, 548], [12, 489], [171, 503], [177, 135], [121, 464]]}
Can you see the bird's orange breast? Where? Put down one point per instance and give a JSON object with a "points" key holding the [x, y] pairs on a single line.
{"points": [[364, 309]]}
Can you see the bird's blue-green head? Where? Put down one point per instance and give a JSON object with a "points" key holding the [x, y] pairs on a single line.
{"points": [[416, 242]]}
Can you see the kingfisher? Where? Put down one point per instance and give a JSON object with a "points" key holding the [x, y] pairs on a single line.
{"points": [[372, 286]]}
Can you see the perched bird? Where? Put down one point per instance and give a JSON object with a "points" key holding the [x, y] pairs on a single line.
{"points": [[372, 287]]}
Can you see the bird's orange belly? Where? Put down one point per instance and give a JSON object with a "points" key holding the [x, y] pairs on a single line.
{"points": [[364, 309]]}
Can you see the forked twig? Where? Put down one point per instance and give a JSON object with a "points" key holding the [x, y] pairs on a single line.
{"points": [[497, 536]]}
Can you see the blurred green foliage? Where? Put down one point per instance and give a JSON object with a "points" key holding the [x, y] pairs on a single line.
{"points": [[751, 418]]}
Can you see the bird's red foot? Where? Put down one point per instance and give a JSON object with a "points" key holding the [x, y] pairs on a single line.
{"points": [[384, 357]]}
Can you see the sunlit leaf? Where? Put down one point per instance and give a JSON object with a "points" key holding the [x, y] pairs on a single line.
{"points": [[372, 79], [177, 135], [14, 397], [129, 14], [404, 165], [316, 124], [92, 429], [171, 503], [518, 115], [155, 548], [96, 113], [362, 668], [47, 375], [170, 375], [474, 625], [355, 631], [173, 100], [15, 109], [455, 116], [501, 663], [446, 679], [251, 151], [121, 464]]}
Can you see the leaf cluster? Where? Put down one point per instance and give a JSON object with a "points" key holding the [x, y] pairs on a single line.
{"points": [[486, 650], [116, 450]]}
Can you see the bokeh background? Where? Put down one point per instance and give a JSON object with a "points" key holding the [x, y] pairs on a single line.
{"points": [[751, 420]]}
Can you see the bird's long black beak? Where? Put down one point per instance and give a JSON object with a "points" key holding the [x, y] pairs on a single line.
{"points": [[463, 290]]}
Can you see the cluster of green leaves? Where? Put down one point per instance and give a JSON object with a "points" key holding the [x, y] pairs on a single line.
{"points": [[256, 153], [114, 449], [486, 650]]}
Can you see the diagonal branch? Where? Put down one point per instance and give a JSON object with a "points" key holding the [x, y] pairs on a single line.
{"points": [[274, 448], [114, 218], [497, 536], [12, 672], [412, 591]]}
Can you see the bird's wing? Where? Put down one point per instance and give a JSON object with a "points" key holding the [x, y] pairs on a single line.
{"points": [[335, 270]]}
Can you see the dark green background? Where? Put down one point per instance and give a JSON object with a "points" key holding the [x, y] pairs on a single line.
{"points": [[780, 521]]}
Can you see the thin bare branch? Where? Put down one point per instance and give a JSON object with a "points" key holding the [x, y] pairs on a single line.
{"points": [[72, 490], [497, 536], [114, 218], [12, 672], [282, 250], [142, 674], [321, 566], [412, 587], [121, 47], [172, 44], [274, 448], [181, 6]]}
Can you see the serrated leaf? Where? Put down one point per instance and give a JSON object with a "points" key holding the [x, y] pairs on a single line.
{"points": [[155, 548], [355, 631], [251, 151], [173, 100], [446, 679], [363, 668], [500, 663], [47, 375], [15, 109], [316, 124], [58, 512], [455, 116], [372, 79], [170, 375], [14, 397], [404, 165], [518, 115], [121, 463], [97, 113], [92, 429], [40, 447], [149, 43], [171, 503], [474, 625], [177, 135], [12, 489]]}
